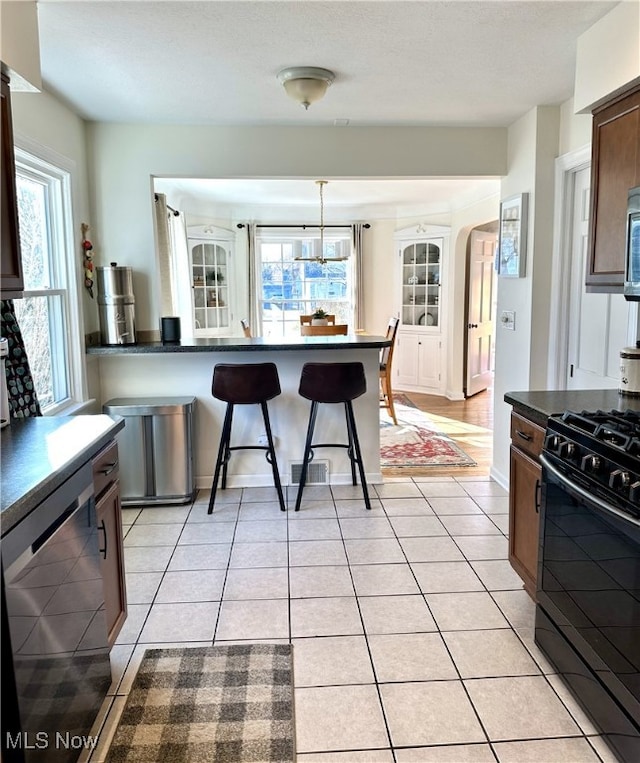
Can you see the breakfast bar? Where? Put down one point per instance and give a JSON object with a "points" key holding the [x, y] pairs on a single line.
{"points": [[186, 368]]}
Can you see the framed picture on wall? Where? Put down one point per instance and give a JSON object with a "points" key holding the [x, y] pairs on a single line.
{"points": [[512, 244]]}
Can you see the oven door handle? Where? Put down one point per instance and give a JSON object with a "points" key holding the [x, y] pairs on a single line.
{"points": [[594, 500]]}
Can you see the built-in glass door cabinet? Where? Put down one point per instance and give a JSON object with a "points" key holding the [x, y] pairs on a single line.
{"points": [[210, 253], [422, 252]]}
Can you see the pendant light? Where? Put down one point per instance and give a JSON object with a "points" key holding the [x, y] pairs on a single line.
{"points": [[320, 258], [306, 84]]}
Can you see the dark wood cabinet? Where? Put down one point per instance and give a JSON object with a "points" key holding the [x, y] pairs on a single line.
{"points": [[11, 279], [615, 168], [525, 475], [109, 515]]}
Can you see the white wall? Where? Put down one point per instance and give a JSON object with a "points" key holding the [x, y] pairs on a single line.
{"points": [[575, 129], [20, 44]]}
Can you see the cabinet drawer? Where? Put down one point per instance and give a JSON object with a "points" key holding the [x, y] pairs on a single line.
{"points": [[526, 435], [105, 468]]}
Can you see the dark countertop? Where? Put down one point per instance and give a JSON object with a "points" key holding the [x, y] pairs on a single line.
{"points": [[540, 404], [40, 453], [242, 344]]}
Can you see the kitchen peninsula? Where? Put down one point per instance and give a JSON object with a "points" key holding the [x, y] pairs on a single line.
{"points": [[186, 368]]}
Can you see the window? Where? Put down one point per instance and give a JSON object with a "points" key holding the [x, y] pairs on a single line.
{"points": [[48, 313], [291, 287]]}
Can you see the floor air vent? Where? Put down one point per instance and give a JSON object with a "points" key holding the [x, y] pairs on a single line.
{"points": [[317, 473]]}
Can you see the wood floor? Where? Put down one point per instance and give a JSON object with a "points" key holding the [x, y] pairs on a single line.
{"points": [[469, 422]]}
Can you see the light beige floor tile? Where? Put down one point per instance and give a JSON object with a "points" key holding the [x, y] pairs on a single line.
{"points": [[253, 512], [311, 493], [147, 559], [214, 556], [484, 488], [331, 660], [493, 504], [229, 495], [310, 509], [316, 552], [153, 535], [260, 531], [158, 515], [222, 512], [315, 529], [426, 478], [398, 490], [489, 653], [433, 712], [537, 750], [411, 657], [261, 583], [320, 581], [350, 492], [129, 516], [339, 718], [374, 551], [517, 606], [196, 533], [191, 585], [459, 753], [383, 579], [356, 507], [258, 494], [435, 549], [366, 527], [407, 507], [255, 619], [527, 635], [465, 611], [333, 616], [136, 616], [442, 490], [408, 527], [120, 654], [497, 575], [587, 726], [477, 524], [268, 554], [453, 506], [479, 547], [191, 621], [505, 706], [396, 614], [142, 586], [444, 577], [353, 756], [501, 521]]}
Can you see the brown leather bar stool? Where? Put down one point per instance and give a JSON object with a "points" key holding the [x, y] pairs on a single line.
{"points": [[244, 384], [333, 383]]}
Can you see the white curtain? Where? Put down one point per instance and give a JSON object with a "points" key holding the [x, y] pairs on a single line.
{"points": [[255, 313], [180, 274], [358, 274], [163, 239]]}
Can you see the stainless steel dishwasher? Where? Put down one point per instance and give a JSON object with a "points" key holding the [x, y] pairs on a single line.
{"points": [[55, 657]]}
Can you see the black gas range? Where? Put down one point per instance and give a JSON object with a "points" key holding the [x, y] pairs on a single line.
{"points": [[588, 594]]}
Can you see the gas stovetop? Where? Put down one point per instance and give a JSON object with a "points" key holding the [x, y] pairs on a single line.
{"points": [[601, 451]]}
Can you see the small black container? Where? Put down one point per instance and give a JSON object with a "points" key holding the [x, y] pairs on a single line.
{"points": [[170, 329]]}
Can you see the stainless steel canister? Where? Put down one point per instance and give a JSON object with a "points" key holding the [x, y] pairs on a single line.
{"points": [[630, 371], [116, 305]]}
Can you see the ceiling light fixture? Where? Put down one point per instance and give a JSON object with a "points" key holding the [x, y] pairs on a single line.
{"points": [[306, 84], [320, 258]]}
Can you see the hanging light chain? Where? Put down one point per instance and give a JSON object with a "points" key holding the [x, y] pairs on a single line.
{"points": [[322, 184]]}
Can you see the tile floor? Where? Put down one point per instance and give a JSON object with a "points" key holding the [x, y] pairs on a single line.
{"points": [[413, 637]]}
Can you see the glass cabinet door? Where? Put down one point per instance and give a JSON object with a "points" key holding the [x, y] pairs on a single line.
{"points": [[210, 284], [421, 262]]}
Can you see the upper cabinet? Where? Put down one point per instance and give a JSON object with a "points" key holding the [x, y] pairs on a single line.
{"points": [[11, 279], [615, 168], [210, 251]]}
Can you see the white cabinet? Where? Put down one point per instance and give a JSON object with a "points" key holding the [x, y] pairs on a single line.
{"points": [[422, 261], [210, 272]]}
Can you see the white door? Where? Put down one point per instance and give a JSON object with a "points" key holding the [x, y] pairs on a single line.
{"points": [[480, 323], [597, 322]]}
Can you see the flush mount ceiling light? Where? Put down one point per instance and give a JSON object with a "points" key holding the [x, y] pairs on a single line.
{"points": [[306, 84]]}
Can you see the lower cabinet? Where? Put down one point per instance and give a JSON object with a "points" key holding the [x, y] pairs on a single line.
{"points": [[417, 362], [109, 517], [525, 476]]}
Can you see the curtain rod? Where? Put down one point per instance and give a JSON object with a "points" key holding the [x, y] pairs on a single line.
{"points": [[171, 209], [304, 227]]}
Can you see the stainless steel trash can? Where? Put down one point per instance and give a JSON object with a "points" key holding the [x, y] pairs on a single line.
{"points": [[155, 449]]}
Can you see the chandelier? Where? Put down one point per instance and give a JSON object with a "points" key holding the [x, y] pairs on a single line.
{"points": [[306, 84], [320, 258]]}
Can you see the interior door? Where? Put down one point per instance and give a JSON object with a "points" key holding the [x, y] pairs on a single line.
{"points": [[480, 311], [597, 322]]}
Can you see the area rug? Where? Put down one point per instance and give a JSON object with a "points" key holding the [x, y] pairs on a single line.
{"points": [[215, 704], [415, 440]]}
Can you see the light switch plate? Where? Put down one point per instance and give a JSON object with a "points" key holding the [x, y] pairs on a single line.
{"points": [[508, 319]]}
